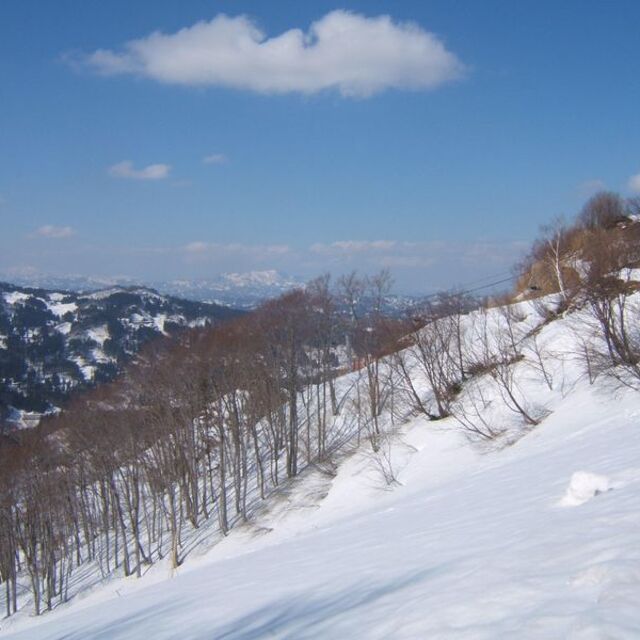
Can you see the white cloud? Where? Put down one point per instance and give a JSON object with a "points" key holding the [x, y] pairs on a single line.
{"points": [[215, 158], [125, 169], [348, 52], [51, 231], [634, 183]]}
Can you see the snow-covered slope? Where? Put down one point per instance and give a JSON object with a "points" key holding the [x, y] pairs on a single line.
{"points": [[469, 546], [537, 537]]}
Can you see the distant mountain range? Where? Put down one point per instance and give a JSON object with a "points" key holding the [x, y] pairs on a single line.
{"points": [[237, 290], [52, 342]]}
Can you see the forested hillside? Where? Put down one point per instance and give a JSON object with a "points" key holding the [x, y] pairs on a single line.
{"points": [[52, 342]]}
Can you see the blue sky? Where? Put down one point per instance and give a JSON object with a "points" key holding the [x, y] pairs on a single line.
{"points": [[438, 153]]}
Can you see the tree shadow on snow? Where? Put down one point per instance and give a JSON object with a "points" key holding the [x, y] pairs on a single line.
{"points": [[307, 617]]}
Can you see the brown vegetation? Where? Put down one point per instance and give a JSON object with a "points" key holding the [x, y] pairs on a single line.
{"points": [[569, 258]]}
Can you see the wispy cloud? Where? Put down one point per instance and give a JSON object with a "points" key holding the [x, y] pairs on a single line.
{"points": [[51, 231], [356, 55], [126, 170], [634, 183], [353, 246], [407, 255], [215, 158]]}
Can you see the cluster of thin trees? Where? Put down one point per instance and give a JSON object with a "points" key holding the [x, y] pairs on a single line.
{"points": [[459, 363], [193, 434]]}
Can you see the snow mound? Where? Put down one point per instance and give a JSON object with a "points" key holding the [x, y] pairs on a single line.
{"points": [[584, 486]]}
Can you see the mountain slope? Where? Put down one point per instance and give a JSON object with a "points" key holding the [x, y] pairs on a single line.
{"points": [[486, 551], [530, 538], [52, 342]]}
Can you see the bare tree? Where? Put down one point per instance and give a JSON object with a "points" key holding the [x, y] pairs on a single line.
{"points": [[603, 210]]}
